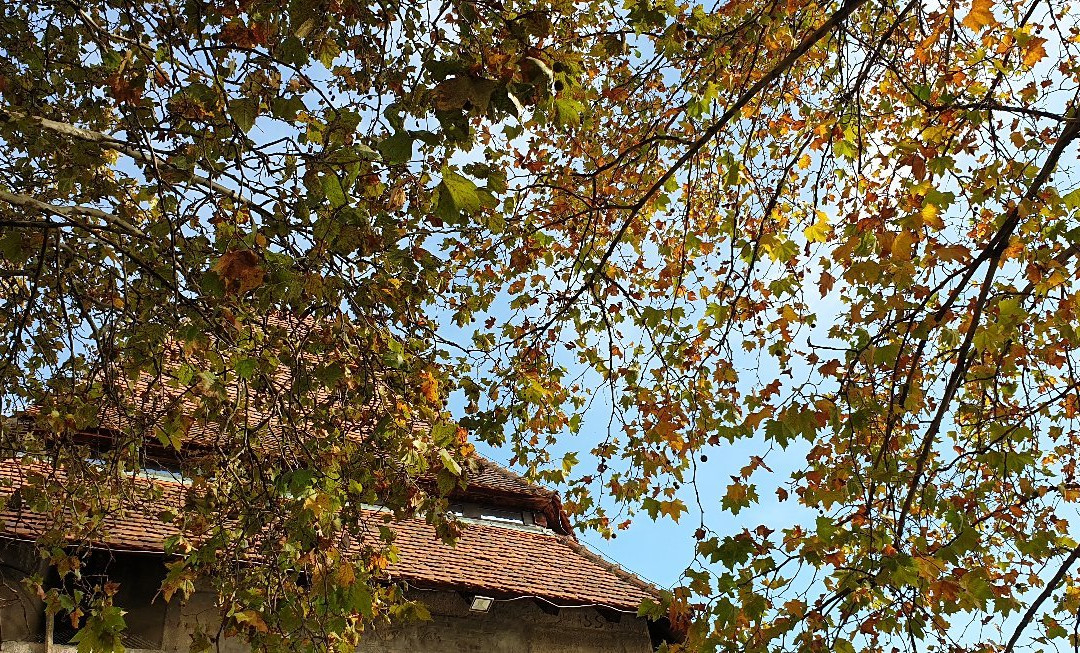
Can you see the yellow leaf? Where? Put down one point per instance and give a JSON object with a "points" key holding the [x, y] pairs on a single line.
{"points": [[673, 508], [931, 218], [980, 16], [953, 253], [1034, 52], [754, 420], [253, 619], [819, 231], [804, 161], [345, 574], [929, 568], [902, 245]]}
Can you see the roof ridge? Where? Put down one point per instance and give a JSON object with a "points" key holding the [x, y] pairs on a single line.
{"points": [[615, 568], [506, 471]]}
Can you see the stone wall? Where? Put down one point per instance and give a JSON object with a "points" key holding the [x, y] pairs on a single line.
{"points": [[517, 626]]}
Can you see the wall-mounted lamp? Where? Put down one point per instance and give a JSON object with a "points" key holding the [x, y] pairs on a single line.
{"points": [[481, 603]]}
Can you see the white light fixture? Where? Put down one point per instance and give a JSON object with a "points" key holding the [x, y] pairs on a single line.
{"points": [[481, 603]]}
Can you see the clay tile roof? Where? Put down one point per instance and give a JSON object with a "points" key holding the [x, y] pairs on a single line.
{"points": [[504, 562], [493, 476], [501, 561], [134, 526]]}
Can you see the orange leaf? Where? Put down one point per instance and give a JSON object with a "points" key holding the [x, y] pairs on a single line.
{"points": [[240, 270], [429, 387], [1034, 52], [980, 16]]}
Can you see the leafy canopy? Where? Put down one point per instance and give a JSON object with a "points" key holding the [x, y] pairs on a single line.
{"points": [[842, 234]]}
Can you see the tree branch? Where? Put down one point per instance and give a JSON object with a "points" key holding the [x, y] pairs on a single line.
{"points": [[1045, 594], [125, 148], [823, 30], [69, 212]]}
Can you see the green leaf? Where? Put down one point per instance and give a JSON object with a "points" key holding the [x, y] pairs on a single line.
{"points": [[568, 112], [329, 374], [244, 111], [397, 148], [245, 367], [1072, 199], [287, 108], [457, 197], [334, 191], [328, 51], [11, 246], [465, 92], [448, 461]]}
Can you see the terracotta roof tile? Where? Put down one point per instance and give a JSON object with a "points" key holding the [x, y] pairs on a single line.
{"points": [[493, 476], [498, 560]]}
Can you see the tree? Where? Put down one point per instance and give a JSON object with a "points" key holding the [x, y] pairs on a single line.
{"points": [[844, 231]]}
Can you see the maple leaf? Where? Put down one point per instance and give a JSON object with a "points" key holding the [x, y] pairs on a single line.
{"points": [[903, 245], [253, 619]]}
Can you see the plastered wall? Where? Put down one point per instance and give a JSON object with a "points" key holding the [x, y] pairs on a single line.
{"points": [[521, 626]]}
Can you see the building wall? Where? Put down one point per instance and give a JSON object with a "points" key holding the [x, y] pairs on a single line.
{"points": [[22, 614], [511, 627], [519, 626]]}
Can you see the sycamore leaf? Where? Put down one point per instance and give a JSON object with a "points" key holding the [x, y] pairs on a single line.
{"points": [[244, 111], [429, 387], [953, 253], [820, 230], [465, 93], [397, 148], [334, 191], [931, 216], [252, 619], [245, 367], [568, 112], [1072, 199], [448, 461], [457, 197], [902, 245], [738, 496], [1034, 51], [240, 270], [980, 16]]}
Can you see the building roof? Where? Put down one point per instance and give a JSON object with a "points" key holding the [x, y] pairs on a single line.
{"points": [[497, 560]]}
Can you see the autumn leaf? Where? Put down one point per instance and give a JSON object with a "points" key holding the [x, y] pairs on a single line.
{"points": [[1034, 51], [931, 216], [980, 16], [241, 270], [820, 230], [953, 253], [252, 619], [457, 197], [429, 386], [902, 245]]}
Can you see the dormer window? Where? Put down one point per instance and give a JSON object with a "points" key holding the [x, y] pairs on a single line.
{"points": [[496, 515], [506, 516]]}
